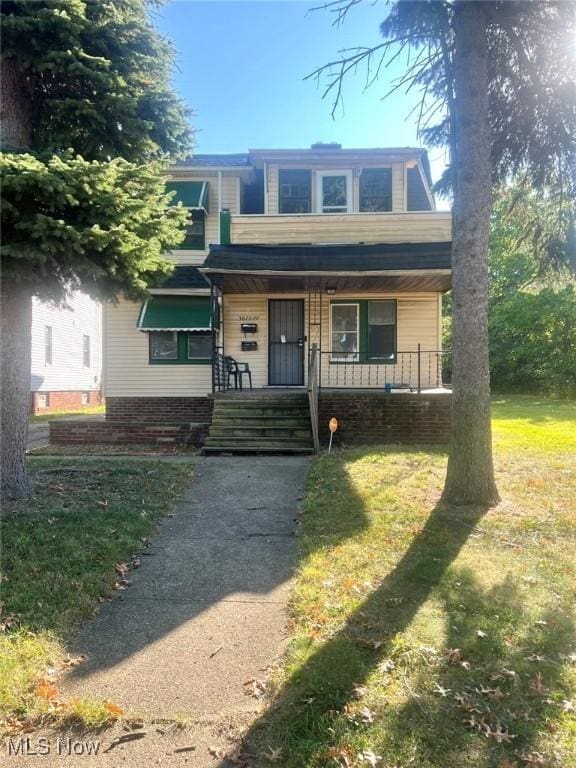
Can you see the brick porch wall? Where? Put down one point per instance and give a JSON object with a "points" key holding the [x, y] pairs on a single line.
{"points": [[92, 431], [366, 417], [63, 401], [159, 409]]}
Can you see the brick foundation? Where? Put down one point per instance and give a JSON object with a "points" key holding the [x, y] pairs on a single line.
{"points": [[86, 431], [159, 409], [70, 400], [366, 417]]}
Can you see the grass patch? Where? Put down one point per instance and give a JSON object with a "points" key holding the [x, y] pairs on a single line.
{"points": [[86, 411], [434, 637], [59, 552]]}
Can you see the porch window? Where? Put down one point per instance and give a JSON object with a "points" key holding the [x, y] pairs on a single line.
{"points": [[163, 346], [199, 346], [294, 191], [345, 331], [376, 190], [195, 196], [381, 330]]}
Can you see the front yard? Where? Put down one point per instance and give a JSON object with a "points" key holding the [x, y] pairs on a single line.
{"points": [[431, 637], [62, 554]]}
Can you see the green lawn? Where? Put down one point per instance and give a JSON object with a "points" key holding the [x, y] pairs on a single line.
{"points": [[432, 637], [64, 552], [55, 414]]}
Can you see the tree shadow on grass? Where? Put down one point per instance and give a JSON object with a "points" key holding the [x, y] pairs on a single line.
{"points": [[503, 690], [302, 714]]}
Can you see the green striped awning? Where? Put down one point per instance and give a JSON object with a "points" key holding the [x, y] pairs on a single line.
{"points": [[192, 194], [175, 313]]}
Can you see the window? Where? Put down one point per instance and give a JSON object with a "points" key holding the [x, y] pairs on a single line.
{"points": [[334, 191], [86, 351], [345, 331], [163, 345], [294, 191], [381, 330], [43, 400], [180, 347], [199, 346], [47, 345], [363, 331], [195, 239], [85, 398], [376, 189]]}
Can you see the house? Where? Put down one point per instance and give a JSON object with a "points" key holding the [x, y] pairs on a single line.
{"points": [[66, 354], [322, 271]]}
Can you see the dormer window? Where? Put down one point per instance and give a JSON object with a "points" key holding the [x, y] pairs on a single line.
{"points": [[335, 191], [295, 191], [376, 190]]}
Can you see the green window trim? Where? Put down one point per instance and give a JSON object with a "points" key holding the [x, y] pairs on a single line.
{"points": [[182, 350], [363, 357]]}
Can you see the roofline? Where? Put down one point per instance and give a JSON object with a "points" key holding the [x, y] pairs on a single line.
{"points": [[321, 273]]}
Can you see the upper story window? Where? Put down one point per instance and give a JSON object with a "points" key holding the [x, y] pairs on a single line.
{"points": [[86, 351], [376, 190], [195, 239], [294, 191], [47, 345], [334, 191]]}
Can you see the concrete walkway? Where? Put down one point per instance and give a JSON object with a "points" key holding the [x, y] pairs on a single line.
{"points": [[204, 614]]}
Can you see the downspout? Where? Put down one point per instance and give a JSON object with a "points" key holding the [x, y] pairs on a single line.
{"points": [[219, 204], [265, 188]]}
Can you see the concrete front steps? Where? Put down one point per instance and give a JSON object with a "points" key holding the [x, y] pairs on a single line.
{"points": [[260, 422]]}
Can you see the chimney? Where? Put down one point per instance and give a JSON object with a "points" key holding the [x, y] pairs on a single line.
{"points": [[328, 145]]}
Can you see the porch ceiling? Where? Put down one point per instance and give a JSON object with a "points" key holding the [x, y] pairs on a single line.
{"points": [[249, 283]]}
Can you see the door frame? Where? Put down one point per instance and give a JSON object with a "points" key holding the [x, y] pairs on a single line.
{"points": [[302, 348]]}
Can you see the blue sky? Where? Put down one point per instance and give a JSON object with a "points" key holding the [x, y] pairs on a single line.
{"points": [[241, 66]]}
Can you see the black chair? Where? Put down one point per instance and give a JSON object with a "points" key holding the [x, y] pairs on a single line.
{"points": [[237, 370]]}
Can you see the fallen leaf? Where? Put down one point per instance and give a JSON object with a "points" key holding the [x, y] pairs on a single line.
{"points": [[367, 715], [480, 633], [273, 754], [568, 706], [367, 756], [359, 691], [386, 666], [255, 688], [442, 691], [72, 661], [113, 709], [533, 758], [537, 687], [217, 752], [499, 733], [46, 690], [507, 763]]}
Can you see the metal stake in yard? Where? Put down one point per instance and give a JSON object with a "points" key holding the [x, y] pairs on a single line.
{"points": [[332, 426]]}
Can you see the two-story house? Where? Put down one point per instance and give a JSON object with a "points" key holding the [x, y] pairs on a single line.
{"points": [[323, 263]]}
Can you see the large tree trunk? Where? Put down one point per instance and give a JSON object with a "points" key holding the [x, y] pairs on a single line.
{"points": [[470, 476], [16, 325], [15, 311]]}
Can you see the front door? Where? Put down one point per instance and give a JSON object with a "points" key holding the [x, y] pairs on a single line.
{"points": [[286, 342]]}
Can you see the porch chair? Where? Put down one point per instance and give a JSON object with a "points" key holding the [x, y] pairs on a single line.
{"points": [[237, 370]]}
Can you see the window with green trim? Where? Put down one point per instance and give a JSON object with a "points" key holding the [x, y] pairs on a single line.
{"points": [[363, 331], [179, 348]]}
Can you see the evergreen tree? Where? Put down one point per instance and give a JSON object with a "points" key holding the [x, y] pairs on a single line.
{"points": [[500, 76], [89, 125]]}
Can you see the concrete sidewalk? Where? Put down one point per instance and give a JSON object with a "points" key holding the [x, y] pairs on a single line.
{"points": [[204, 614]]}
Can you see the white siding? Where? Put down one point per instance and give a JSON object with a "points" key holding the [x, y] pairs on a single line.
{"points": [[128, 372], [81, 316]]}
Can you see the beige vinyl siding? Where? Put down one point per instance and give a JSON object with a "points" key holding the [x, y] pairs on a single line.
{"points": [[230, 184], [420, 227], [127, 370], [417, 323]]}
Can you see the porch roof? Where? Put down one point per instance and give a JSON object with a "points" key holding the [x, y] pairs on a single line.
{"points": [[385, 266]]}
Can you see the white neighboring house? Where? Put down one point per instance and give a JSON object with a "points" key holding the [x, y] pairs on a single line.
{"points": [[66, 354]]}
